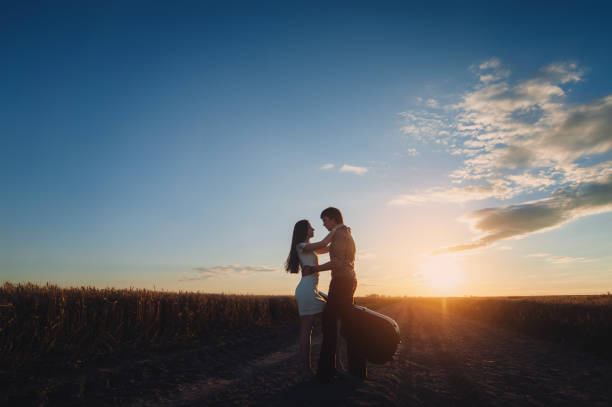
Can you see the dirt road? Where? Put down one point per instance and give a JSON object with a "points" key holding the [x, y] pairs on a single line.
{"points": [[441, 361]]}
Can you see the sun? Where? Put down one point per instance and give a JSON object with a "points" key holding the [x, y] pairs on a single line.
{"points": [[441, 273]]}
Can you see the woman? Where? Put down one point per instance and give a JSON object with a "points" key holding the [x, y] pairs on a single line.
{"points": [[310, 303]]}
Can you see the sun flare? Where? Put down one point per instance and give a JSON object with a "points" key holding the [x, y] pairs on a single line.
{"points": [[441, 273]]}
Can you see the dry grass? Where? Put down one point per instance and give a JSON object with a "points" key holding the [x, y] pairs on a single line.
{"points": [[85, 322], [583, 321]]}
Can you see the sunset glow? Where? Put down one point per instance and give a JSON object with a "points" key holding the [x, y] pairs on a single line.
{"points": [[442, 273]]}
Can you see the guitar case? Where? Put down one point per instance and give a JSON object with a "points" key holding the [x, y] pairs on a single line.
{"points": [[376, 334]]}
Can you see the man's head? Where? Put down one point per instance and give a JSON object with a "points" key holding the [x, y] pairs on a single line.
{"points": [[331, 217]]}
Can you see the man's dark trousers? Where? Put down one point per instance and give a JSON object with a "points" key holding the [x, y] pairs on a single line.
{"points": [[340, 305]]}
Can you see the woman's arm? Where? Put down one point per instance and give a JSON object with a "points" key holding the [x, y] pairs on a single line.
{"points": [[323, 250], [311, 247], [333, 261]]}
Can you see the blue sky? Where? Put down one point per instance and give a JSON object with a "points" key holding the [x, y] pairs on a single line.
{"points": [[148, 144]]}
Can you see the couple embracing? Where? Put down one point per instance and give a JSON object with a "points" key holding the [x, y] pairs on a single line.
{"points": [[339, 304]]}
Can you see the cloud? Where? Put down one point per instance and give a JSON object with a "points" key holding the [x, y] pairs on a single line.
{"points": [[494, 188], [490, 71], [559, 259], [529, 126], [203, 273], [516, 221], [584, 130], [353, 169], [564, 72], [538, 255], [345, 168], [432, 103], [524, 133], [531, 180], [595, 173], [515, 138], [490, 63], [426, 126], [567, 259]]}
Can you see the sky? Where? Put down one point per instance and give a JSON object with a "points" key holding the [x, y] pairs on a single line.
{"points": [[174, 146]]}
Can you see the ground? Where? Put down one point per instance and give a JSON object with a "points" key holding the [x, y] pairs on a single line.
{"points": [[441, 361]]}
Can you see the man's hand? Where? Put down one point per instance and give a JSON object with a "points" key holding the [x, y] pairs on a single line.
{"points": [[307, 270]]}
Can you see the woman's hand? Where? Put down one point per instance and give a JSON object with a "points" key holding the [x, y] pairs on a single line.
{"points": [[310, 247]]}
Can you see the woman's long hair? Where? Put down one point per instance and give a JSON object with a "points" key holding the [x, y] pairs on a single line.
{"points": [[300, 233]]}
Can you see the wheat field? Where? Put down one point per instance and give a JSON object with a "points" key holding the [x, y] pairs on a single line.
{"points": [[87, 322]]}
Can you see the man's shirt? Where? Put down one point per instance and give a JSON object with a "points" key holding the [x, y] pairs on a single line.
{"points": [[342, 253]]}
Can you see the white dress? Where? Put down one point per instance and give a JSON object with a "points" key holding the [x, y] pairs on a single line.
{"points": [[307, 294]]}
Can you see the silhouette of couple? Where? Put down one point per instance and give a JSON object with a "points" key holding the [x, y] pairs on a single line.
{"points": [[339, 304]]}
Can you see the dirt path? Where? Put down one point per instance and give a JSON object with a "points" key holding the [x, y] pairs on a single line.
{"points": [[441, 361]]}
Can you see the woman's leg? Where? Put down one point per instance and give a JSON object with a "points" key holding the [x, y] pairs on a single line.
{"points": [[306, 322]]}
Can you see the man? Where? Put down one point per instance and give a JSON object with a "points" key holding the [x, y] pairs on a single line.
{"points": [[340, 300]]}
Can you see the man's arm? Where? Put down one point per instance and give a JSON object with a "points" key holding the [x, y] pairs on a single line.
{"points": [[321, 267], [308, 270], [337, 250], [321, 247], [326, 248]]}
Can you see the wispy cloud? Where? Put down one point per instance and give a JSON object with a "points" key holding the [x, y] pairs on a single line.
{"points": [[499, 189], [515, 221], [559, 259], [490, 64], [432, 103], [538, 255], [567, 259], [353, 169], [203, 273], [490, 71], [425, 126]]}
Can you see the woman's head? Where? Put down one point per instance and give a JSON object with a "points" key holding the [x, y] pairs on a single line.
{"points": [[302, 231]]}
